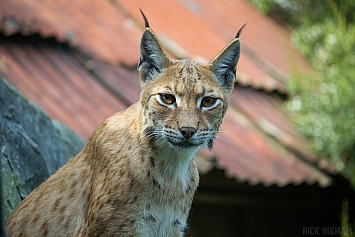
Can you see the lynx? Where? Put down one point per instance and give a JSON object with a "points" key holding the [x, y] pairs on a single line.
{"points": [[136, 176]]}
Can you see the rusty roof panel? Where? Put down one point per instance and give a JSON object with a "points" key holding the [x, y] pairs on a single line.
{"points": [[268, 41], [58, 83], [267, 113], [248, 154], [124, 81], [110, 30], [97, 27]]}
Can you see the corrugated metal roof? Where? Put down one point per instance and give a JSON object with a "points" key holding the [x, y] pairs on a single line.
{"points": [[262, 155], [111, 30], [51, 77], [257, 143], [95, 26]]}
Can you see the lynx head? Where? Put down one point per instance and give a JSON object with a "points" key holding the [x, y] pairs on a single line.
{"points": [[184, 101]]}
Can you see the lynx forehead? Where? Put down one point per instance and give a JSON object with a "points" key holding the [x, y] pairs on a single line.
{"points": [[136, 175], [186, 77]]}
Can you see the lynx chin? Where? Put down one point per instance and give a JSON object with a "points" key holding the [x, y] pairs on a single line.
{"points": [[136, 176]]}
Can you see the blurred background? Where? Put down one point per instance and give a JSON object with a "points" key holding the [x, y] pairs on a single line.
{"points": [[285, 162]]}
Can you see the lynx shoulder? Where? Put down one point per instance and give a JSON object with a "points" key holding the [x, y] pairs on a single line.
{"points": [[136, 175]]}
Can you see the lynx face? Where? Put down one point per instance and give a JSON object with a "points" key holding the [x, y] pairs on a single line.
{"points": [[184, 101], [184, 105]]}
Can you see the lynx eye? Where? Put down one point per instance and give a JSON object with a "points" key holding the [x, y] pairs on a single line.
{"points": [[167, 98], [208, 102]]}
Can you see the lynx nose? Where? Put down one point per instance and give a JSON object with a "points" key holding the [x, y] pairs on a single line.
{"points": [[187, 132]]}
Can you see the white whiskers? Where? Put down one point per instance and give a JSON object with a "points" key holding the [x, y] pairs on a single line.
{"points": [[213, 134]]}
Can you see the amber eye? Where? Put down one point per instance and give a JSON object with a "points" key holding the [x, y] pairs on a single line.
{"points": [[208, 101], [167, 98]]}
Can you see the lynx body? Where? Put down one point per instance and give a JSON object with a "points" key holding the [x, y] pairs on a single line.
{"points": [[136, 175]]}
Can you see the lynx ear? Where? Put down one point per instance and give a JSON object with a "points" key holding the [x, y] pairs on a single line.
{"points": [[152, 58], [224, 64]]}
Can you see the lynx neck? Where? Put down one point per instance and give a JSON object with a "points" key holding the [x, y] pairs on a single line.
{"points": [[173, 163]]}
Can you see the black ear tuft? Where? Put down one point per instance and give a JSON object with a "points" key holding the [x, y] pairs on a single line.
{"points": [[153, 58], [224, 64], [145, 19], [240, 30]]}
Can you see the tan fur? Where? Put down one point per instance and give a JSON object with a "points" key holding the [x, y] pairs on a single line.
{"points": [[136, 175]]}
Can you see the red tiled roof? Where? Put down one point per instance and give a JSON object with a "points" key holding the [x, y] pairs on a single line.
{"points": [[257, 143]]}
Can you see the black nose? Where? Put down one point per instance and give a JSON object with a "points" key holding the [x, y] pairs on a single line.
{"points": [[187, 132]]}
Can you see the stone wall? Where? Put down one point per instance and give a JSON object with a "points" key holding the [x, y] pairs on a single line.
{"points": [[32, 146]]}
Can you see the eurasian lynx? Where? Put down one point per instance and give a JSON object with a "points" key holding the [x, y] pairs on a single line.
{"points": [[136, 175]]}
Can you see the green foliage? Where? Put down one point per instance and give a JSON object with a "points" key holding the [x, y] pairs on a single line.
{"points": [[322, 104], [296, 12], [265, 6]]}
